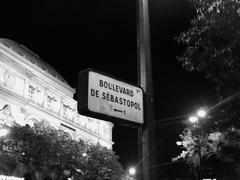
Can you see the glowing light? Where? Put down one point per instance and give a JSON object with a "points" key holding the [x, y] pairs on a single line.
{"points": [[201, 113], [179, 143], [84, 154], [132, 171], [193, 119]]}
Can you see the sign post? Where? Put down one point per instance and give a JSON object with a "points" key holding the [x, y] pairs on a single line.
{"points": [[147, 155]]}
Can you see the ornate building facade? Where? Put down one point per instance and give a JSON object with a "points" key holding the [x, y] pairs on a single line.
{"points": [[32, 91]]}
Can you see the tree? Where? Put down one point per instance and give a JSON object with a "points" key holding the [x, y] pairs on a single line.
{"points": [[101, 164], [212, 48], [212, 43], [43, 151], [218, 155]]}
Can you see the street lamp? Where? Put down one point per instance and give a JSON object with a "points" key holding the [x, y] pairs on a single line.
{"points": [[201, 113], [132, 171], [195, 120]]}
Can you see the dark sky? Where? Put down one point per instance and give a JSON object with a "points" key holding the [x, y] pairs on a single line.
{"points": [[72, 35]]}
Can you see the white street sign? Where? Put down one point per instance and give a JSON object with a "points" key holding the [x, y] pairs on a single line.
{"points": [[115, 98]]}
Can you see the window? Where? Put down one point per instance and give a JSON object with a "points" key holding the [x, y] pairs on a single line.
{"points": [[31, 92]]}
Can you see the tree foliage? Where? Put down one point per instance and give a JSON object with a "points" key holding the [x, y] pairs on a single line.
{"points": [[219, 153], [212, 48], [213, 42], [101, 163], [44, 151]]}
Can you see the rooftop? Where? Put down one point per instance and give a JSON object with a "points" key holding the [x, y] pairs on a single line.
{"points": [[32, 58]]}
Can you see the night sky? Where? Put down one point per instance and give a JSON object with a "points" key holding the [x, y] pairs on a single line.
{"points": [[72, 35]]}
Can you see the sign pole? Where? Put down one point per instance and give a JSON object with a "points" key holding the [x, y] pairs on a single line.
{"points": [[146, 132]]}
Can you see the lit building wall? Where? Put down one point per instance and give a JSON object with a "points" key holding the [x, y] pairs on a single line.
{"points": [[32, 91]]}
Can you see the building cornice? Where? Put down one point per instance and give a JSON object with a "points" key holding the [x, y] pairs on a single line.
{"points": [[21, 60]]}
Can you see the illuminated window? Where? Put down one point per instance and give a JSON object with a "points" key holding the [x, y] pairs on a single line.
{"points": [[36, 95]]}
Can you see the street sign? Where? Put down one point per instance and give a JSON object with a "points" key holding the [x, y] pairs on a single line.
{"points": [[103, 95]]}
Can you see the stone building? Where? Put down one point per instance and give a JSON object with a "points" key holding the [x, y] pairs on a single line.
{"points": [[32, 91]]}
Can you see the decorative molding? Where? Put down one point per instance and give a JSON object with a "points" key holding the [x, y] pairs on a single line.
{"points": [[22, 59], [11, 94], [9, 79], [28, 106]]}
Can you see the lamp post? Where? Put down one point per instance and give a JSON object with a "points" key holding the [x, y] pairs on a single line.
{"points": [[195, 120], [146, 132]]}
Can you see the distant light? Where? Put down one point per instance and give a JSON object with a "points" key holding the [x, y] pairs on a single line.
{"points": [[3, 132], [84, 154], [201, 113], [193, 119], [179, 143], [132, 171], [23, 153]]}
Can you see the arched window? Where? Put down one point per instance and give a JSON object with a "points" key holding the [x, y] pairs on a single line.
{"points": [[31, 121]]}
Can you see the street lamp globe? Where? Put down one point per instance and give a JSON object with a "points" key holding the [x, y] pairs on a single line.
{"points": [[132, 171], [201, 113], [193, 119]]}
